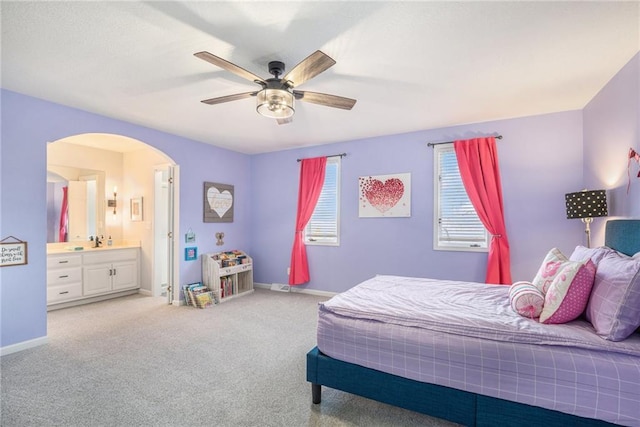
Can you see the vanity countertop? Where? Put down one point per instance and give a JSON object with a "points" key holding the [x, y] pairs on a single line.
{"points": [[70, 247]]}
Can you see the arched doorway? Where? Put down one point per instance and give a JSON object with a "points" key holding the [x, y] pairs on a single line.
{"points": [[127, 172]]}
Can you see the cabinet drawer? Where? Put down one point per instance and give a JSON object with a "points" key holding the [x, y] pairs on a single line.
{"points": [[61, 276], [108, 256], [234, 269], [64, 261], [64, 292]]}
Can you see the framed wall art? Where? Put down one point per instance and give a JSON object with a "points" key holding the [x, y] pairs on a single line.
{"points": [[218, 202], [384, 196], [191, 254], [13, 251], [136, 209]]}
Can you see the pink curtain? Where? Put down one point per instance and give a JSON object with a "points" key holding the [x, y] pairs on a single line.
{"points": [[64, 216], [311, 182], [478, 163]]}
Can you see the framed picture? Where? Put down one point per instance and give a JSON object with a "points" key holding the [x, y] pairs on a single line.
{"points": [[217, 202], [190, 254], [13, 252], [385, 196], [136, 209]]}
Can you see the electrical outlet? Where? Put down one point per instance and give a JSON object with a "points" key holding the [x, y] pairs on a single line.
{"points": [[288, 271]]}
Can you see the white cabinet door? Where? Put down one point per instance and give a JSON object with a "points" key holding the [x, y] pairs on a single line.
{"points": [[125, 275], [97, 279]]}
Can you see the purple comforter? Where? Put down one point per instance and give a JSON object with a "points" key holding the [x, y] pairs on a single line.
{"points": [[463, 308]]}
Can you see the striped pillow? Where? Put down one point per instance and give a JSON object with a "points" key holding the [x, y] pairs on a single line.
{"points": [[526, 299]]}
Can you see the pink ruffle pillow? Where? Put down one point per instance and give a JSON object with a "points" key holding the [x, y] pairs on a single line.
{"points": [[526, 299]]}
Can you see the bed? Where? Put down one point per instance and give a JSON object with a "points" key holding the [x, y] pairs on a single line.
{"points": [[561, 374]]}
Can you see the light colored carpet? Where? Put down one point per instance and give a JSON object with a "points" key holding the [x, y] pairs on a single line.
{"points": [[136, 361]]}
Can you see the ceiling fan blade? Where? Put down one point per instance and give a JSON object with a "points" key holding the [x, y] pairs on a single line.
{"points": [[285, 121], [228, 98], [310, 67], [226, 65], [325, 99]]}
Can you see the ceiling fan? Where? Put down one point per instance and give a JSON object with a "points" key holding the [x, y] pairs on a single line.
{"points": [[276, 98]]}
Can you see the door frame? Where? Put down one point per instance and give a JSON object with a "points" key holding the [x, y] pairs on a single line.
{"points": [[173, 204]]}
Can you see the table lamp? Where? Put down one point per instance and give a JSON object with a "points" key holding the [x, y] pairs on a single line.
{"points": [[586, 205]]}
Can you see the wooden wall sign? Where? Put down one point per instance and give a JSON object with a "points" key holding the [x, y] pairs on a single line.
{"points": [[218, 202], [12, 252]]}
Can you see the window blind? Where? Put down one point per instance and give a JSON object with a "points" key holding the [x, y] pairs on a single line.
{"points": [[323, 225], [458, 224]]}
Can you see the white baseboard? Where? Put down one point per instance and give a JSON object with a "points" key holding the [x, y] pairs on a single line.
{"points": [[298, 290], [24, 345], [313, 292]]}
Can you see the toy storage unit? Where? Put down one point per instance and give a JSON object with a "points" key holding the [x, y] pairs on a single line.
{"points": [[228, 274]]}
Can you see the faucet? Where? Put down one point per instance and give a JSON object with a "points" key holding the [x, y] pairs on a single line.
{"points": [[98, 242]]}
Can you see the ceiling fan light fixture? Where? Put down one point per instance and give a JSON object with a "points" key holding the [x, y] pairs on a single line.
{"points": [[275, 103]]}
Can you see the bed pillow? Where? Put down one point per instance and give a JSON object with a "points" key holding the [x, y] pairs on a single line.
{"points": [[614, 305], [581, 253], [526, 299], [550, 267], [568, 293]]}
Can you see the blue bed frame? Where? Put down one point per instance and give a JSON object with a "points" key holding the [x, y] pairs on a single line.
{"points": [[448, 403]]}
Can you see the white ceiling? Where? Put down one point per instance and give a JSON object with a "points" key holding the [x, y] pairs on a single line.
{"points": [[411, 65]]}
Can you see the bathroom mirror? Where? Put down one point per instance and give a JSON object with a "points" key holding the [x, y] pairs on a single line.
{"points": [[82, 192]]}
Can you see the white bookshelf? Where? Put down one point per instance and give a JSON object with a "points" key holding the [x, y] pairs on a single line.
{"points": [[228, 274]]}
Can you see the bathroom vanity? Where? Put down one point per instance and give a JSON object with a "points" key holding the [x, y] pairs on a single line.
{"points": [[90, 274]]}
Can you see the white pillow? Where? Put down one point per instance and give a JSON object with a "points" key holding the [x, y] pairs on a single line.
{"points": [[550, 267]]}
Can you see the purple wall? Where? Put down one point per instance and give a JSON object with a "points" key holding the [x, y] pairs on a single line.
{"points": [[540, 160], [611, 127], [27, 125]]}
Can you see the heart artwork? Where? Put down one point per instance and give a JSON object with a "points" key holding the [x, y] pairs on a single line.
{"points": [[382, 195], [219, 202]]}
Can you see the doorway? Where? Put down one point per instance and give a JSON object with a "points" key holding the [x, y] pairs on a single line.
{"points": [[139, 171]]}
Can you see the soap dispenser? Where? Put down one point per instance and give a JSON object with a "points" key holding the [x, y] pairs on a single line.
{"points": [[109, 242]]}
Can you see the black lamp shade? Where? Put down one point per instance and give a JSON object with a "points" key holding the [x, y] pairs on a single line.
{"points": [[586, 204]]}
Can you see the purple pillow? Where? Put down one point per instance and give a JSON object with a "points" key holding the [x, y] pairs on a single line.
{"points": [[614, 305], [580, 253]]}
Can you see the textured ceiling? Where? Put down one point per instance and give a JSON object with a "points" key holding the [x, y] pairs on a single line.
{"points": [[410, 65]]}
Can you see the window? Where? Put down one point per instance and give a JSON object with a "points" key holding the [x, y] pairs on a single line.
{"points": [[457, 226], [324, 225]]}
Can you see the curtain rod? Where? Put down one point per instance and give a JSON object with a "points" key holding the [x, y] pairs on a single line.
{"points": [[333, 155], [431, 144]]}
